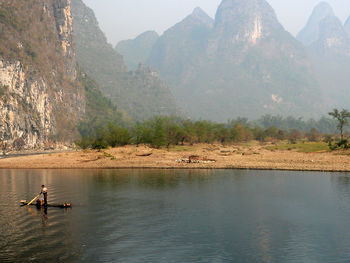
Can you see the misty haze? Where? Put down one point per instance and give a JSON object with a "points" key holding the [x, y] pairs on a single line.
{"points": [[174, 131]]}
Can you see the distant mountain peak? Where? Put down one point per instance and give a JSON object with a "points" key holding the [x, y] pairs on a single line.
{"points": [[246, 21], [324, 6], [197, 19], [200, 15], [137, 50], [199, 12], [332, 37], [322, 10], [246, 7], [148, 33], [310, 33]]}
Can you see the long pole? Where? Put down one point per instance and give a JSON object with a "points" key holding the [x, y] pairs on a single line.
{"points": [[33, 199]]}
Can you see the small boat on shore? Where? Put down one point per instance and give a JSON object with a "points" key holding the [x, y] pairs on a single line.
{"points": [[41, 204]]}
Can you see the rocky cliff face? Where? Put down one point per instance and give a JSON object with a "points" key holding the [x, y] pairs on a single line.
{"points": [[93, 52], [40, 98], [244, 22], [139, 93], [26, 111], [64, 25]]}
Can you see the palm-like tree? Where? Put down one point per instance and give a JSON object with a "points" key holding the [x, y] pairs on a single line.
{"points": [[342, 118]]}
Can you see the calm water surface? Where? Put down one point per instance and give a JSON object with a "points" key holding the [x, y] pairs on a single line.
{"points": [[176, 216]]}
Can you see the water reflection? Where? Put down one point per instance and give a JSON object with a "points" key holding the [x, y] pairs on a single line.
{"points": [[41, 213], [176, 216], [157, 179], [342, 181]]}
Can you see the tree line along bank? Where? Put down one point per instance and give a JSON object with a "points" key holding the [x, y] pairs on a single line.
{"points": [[163, 131]]}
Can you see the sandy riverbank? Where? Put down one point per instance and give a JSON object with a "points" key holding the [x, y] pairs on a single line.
{"points": [[235, 157]]}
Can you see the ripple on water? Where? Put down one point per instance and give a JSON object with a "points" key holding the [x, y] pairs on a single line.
{"points": [[121, 216]]}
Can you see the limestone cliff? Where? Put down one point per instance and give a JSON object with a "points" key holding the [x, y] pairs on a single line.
{"points": [[40, 97], [139, 93], [244, 63], [64, 25]]}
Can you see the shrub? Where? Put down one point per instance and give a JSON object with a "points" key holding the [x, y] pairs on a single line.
{"points": [[117, 136], [84, 143], [343, 144], [328, 139], [99, 144], [294, 136], [313, 135]]}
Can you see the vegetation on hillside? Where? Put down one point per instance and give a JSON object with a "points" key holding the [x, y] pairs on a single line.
{"points": [[99, 110]]}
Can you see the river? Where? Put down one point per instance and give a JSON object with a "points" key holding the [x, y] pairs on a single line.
{"points": [[176, 216]]}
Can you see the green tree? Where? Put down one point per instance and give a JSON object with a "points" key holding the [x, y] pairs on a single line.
{"points": [[142, 134], [173, 135], [342, 118], [117, 136], [222, 134], [99, 141], [159, 134], [237, 133], [189, 134]]}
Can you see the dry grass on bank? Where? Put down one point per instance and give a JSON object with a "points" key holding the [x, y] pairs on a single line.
{"points": [[252, 155], [305, 147]]}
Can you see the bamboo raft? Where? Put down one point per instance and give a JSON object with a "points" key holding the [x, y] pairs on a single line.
{"points": [[41, 204]]}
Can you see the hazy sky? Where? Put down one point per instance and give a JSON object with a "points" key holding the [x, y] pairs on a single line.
{"points": [[124, 19]]}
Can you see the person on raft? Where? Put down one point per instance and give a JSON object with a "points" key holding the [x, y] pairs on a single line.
{"points": [[44, 192]]}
